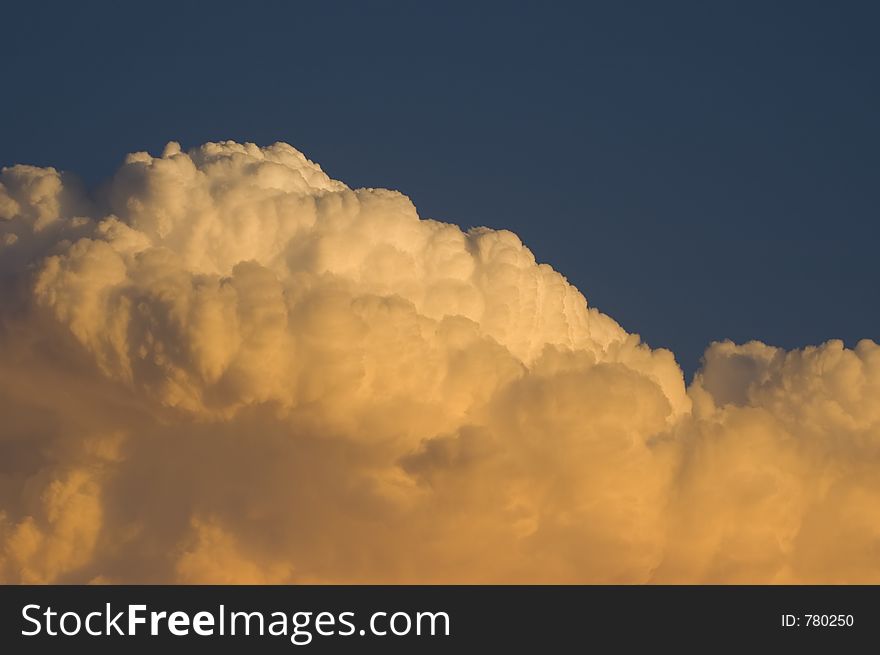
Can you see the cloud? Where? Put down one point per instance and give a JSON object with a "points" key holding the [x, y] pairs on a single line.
{"points": [[225, 366]]}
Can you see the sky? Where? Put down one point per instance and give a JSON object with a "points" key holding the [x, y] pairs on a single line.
{"points": [[372, 294], [698, 172]]}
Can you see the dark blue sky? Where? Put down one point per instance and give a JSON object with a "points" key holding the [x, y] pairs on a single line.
{"points": [[698, 172]]}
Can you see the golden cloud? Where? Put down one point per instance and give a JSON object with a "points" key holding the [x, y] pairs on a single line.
{"points": [[225, 366]]}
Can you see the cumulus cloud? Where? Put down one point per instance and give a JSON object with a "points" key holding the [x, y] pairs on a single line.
{"points": [[225, 366]]}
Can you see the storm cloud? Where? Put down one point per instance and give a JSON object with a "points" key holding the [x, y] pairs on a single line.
{"points": [[225, 366]]}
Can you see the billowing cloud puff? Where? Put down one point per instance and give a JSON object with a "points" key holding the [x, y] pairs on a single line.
{"points": [[225, 366]]}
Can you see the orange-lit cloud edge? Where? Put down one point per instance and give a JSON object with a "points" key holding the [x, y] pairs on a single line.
{"points": [[224, 366]]}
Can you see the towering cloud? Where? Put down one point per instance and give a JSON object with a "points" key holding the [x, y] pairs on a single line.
{"points": [[225, 366]]}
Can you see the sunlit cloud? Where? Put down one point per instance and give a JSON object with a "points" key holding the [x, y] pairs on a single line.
{"points": [[225, 366]]}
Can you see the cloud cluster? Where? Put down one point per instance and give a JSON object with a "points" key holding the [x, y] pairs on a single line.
{"points": [[224, 366]]}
